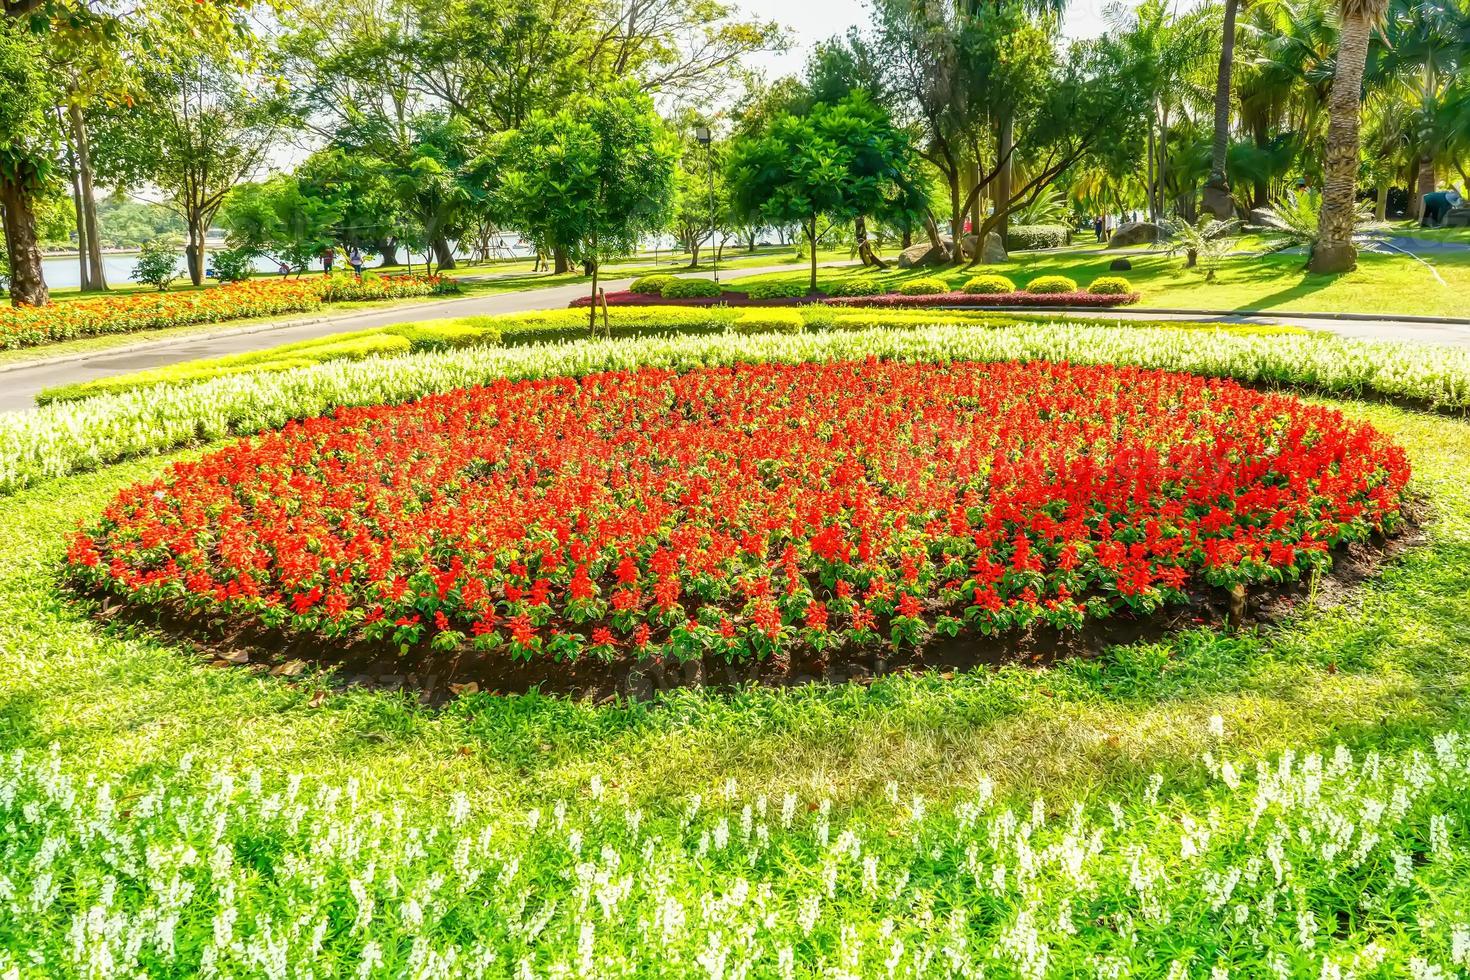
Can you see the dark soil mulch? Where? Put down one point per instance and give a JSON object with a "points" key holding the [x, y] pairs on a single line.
{"points": [[436, 677]]}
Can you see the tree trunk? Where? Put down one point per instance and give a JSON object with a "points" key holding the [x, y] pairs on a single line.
{"points": [[560, 263], [194, 256], [811, 236], [27, 283], [443, 254], [1005, 144], [865, 247], [1153, 200], [97, 272], [1217, 188], [388, 249], [1335, 251], [84, 269], [1380, 210], [1428, 183], [592, 306], [693, 256]]}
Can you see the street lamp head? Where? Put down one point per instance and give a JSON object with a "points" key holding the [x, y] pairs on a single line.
{"points": [[702, 135]]}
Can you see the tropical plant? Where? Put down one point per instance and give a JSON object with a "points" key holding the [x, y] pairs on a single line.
{"points": [[1333, 251], [1204, 243], [1297, 217]]}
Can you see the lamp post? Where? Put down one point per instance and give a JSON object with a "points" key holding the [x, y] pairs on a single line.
{"points": [[705, 138]]}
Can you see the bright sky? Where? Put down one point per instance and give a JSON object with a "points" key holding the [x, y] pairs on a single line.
{"points": [[810, 21]]}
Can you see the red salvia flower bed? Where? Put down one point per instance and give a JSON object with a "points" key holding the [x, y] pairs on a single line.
{"points": [[739, 510]]}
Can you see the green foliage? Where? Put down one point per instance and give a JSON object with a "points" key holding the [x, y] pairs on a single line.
{"points": [[988, 285], [1025, 237], [856, 286], [1205, 243], [28, 93], [838, 161], [769, 321], [1110, 286], [923, 286], [158, 264], [777, 289], [1051, 284], [128, 224], [1297, 217], [690, 289], [650, 285], [591, 178], [277, 219], [233, 265]]}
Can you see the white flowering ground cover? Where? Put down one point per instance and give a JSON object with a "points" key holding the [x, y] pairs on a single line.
{"points": [[79, 436], [1196, 818], [1306, 866]]}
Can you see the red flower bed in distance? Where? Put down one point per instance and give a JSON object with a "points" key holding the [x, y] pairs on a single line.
{"points": [[736, 510]]}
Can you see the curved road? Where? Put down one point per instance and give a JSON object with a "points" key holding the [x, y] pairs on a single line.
{"points": [[19, 385]]}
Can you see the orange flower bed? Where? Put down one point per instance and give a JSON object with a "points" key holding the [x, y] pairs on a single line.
{"points": [[32, 326]]}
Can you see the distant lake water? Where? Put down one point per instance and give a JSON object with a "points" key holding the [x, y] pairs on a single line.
{"points": [[63, 271]]}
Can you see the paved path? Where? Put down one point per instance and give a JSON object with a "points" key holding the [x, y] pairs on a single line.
{"points": [[19, 386]]}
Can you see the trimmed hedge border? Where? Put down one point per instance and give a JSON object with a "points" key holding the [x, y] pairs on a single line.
{"points": [[68, 438]]}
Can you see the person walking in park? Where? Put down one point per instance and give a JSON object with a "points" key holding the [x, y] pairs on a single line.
{"points": [[329, 256], [354, 259]]}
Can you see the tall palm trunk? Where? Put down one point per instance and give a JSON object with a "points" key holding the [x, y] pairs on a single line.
{"points": [[1217, 188], [1334, 251]]}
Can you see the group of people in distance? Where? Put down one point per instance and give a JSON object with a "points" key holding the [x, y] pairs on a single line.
{"points": [[354, 259]]}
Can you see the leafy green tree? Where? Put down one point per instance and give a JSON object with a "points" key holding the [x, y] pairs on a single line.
{"points": [[840, 162], [27, 94], [203, 128], [592, 178], [276, 219], [359, 190]]}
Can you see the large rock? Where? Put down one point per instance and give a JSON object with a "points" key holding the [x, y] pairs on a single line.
{"points": [[1457, 218], [922, 253], [1260, 216], [1120, 265], [1134, 233], [994, 250]]}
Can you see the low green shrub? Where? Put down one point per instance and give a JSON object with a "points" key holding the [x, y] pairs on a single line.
{"points": [[158, 264], [779, 289], [989, 285], [447, 334], [651, 285], [769, 321], [1028, 237], [1110, 286], [1051, 284], [234, 265], [691, 289], [856, 286], [923, 286]]}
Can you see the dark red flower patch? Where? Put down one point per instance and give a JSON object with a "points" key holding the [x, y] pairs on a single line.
{"points": [[740, 510], [895, 300], [1079, 298]]}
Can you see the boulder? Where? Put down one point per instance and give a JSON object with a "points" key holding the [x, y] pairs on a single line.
{"points": [[1457, 218], [922, 253], [1259, 216], [1120, 265], [994, 250], [1134, 233]]}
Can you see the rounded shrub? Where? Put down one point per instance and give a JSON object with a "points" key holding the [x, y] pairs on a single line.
{"points": [[650, 285], [690, 289], [1110, 286], [988, 285], [856, 286], [233, 265], [1047, 285], [1022, 238], [787, 289], [924, 286], [769, 321]]}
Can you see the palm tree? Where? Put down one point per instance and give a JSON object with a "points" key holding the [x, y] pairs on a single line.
{"points": [[1217, 198], [1335, 251]]}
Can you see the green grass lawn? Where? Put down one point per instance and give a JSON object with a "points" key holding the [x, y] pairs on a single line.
{"points": [[1389, 665], [1383, 284], [667, 821]]}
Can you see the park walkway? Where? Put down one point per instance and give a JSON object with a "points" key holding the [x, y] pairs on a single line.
{"points": [[19, 386]]}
